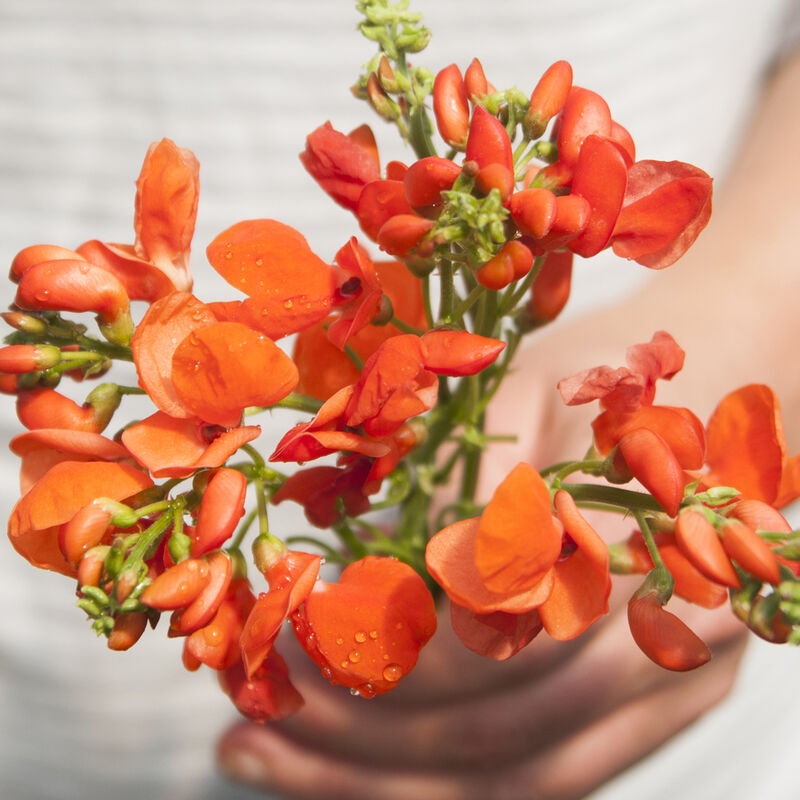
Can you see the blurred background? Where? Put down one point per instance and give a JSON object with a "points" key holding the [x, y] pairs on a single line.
{"points": [[86, 85]]}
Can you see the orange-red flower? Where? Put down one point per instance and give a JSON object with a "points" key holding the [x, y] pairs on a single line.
{"points": [[324, 369], [56, 497], [192, 365], [366, 631], [656, 444], [342, 165], [170, 447], [513, 570], [164, 218]]}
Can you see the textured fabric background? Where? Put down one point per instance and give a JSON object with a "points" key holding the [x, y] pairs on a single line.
{"points": [[86, 85]]}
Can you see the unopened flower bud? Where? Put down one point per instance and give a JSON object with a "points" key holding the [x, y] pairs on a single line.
{"points": [[24, 322], [267, 552], [380, 100]]}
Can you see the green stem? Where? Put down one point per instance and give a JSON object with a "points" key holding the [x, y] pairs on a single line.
{"points": [[647, 535], [467, 303], [354, 357], [447, 299], [518, 290], [299, 402], [404, 326], [590, 465], [149, 538], [612, 496], [426, 299]]}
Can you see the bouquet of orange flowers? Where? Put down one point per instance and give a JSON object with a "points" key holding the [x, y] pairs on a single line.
{"points": [[395, 363]]}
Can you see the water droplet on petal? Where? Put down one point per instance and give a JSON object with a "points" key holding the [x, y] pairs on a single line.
{"points": [[373, 634], [366, 690], [326, 673], [287, 304], [259, 262], [339, 640], [345, 664], [355, 656], [228, 255], [360, 636], [355, 692], [392, 672]]}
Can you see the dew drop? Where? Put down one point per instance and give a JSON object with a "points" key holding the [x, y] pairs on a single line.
{"points": [[259, 262], [360, 636], [345, 664], [392, 672], [212, 634], [355, 693], [339, 640], [229, 254], [385, 656], [373, 634], [326, 673], [287, 303], [355, 656], [399, 626], [367, 690]]}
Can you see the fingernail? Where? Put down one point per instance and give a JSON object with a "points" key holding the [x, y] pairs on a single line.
{"points": [[244, 765]]}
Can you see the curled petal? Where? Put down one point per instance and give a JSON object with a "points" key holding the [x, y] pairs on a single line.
{"points": [[664, 638], [342, 165], [47, 408], [585, 113], [43, 448], [458, 353], [601, 174], [451, 105], [699, 542], [666, 206], [750, 551], [291, 581], [142, 279], [57, 497], [427, 178], [498, 635], [619, 388], [37, 253], [220, 510], [379, 202], [654, 465], [548, 98], [174, 448], [167, 192], [201, 610], [177, 586]]}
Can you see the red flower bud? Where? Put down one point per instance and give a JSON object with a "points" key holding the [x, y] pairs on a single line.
{"points": [[548, 98], [662, 637], [451, 106], [427, 178], [488, 141]]}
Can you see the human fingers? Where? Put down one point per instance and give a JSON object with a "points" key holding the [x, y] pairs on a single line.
{"points": [[272, 758]]}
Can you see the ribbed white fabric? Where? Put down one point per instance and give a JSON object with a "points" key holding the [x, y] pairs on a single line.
{"points": [[86, 85]]}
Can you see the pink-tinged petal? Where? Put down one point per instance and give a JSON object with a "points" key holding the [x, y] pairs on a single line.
{"points": [[498, 635], [170, 447], [667, 205], [599, 383], [661, 357]]}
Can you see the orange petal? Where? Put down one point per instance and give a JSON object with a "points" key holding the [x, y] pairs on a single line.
{"points": [[750, 551], [41, 449], [664, 638], [177, 586], [746, 447], [175, 448], [518, 540], [458, 352], [368, 628], [290, 287], [200, 611], [450, 558], [57, 497], [166, 208], [498, 635], [290, 583], [164, 326], [654, 465], [699, 542], [219, 370], [220, 510]]}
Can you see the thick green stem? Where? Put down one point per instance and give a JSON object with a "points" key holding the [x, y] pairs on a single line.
{"points": [[612, 496]]}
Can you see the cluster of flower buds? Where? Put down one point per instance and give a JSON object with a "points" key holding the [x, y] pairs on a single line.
{"points": [[152, 519]]}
